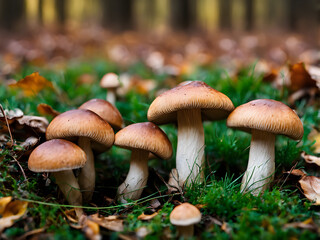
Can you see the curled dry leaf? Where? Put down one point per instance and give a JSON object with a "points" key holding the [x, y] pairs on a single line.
{"points": [[300, 78], [39, 124], [147, 217], [311, 188], [11, 115], [297, 172], [112, 223], [311, 158], [45, 109], [11, 211], [32, 84]]}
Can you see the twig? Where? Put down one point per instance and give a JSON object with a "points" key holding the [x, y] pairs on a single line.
{"points": [[24, 175], [30, 233], [5, 117], [294, 166]]}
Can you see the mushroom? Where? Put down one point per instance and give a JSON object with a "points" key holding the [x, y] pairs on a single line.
{"points": [[140, 138], [184, 217], [59, 157], [111, 82], [88, 127], [106, 111], [264, 119], [188, 105]]}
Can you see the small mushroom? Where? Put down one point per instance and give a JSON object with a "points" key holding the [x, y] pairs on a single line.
{"points": [[59, 157], [184, 217], [264, 119], [88, 127], [140, 138], [111, 82], [189, 104], [106, 111]]}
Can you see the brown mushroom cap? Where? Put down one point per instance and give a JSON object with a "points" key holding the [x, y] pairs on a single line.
{"points": [[110, 80], [214, 105], [81, 123], [56, 155], [106, 111], [267, 115], [185, 214], [146, 136]]}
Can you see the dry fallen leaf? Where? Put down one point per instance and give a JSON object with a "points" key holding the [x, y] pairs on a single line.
{"points": [[32, 84], [300, 78], [11, 211], [146, 217], [306, 224], [11, 115], [39, 124], [311, 188], [45, 109], [112, 223], [297, 172], [311, 158]]}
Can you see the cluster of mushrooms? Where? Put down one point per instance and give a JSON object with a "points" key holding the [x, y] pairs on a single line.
{"points": [[93, 124]]}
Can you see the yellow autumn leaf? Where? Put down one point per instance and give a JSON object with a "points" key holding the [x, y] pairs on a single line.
{"points": [[11, 211], [32, 84]]}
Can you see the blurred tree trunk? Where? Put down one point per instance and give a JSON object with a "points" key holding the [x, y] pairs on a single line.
{"points": [[40, 12], [117, 14], [60, 6], [249, 21], [183, 14], [12, 13], [293, 6], [225, 14]]}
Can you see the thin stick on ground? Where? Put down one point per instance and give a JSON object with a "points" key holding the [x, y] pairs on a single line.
{"points": [[5, 117]]}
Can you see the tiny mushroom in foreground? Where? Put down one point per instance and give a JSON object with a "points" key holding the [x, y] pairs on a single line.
{"points": [[59, 157], [111, 82], [184, 217], [189, 104], [264, 119], [106, 111], [140, 138], [88, 127]]}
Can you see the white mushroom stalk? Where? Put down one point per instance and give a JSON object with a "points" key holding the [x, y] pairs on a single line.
{"points": [[111, 96], [137, 176], [70, 188], [190, 149], [261, 165], [87, 176]]}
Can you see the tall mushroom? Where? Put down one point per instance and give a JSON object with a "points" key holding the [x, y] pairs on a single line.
{"points": [[140, 138], [59, 157], [184, 217], [264, 119], [111, 82], [106, 111], [88, 127], [188, 105]]}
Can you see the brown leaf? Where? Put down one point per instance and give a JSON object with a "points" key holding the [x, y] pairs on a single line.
{"points": [[32, 84], [11, 211], [147, 217], [311, 158], [112, 223], [311, 188], [306, 224], [299, 77], [11, 115], [45, 109], [297, 172], [39, 124]]}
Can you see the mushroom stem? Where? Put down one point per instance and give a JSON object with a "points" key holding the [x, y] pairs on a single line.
{"points": [[111, 96], [137, 176], [261, 165], [190, 149], [69, 186], [186, 231], [87, 176]]}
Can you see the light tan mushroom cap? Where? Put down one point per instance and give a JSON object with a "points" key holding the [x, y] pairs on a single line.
{"points": [[185, 214], [106, 111], [56, 155], [81, 123], [110, 80], [267, 115], [214, 105], [146, 136]]}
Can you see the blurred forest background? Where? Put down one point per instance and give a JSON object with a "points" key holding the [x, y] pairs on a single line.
{"points": [[209, 16]]}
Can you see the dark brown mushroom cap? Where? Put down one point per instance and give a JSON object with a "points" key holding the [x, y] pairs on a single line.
{"points": [[56, 155], [185, 214], [106, 111], [146, 136], [267, 115], [81, 123], [214, 105]]}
